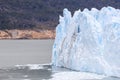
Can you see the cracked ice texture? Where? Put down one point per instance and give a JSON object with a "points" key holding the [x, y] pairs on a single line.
{"points": [[89, 41]]}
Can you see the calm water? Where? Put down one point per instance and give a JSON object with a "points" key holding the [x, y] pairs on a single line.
{"points": [[13, 52], [22, 52]]}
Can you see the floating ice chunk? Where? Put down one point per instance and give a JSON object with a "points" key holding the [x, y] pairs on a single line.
{"points": [[76, 76]]}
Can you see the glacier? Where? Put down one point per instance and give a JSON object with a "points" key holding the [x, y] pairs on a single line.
{"points": [[89, 41]]}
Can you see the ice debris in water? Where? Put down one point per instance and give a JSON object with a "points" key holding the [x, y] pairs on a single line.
{"points": [[89, 41]]}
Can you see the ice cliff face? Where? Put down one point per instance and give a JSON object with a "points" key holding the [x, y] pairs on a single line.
{"points": [[89, 41]]}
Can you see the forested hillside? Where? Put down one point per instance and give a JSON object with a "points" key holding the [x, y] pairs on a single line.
{"points": [[42, 14]]}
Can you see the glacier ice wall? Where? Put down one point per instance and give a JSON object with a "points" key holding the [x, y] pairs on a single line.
{"points": [[89, 41]]}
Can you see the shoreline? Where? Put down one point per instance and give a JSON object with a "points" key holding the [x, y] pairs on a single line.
{"points": [[17, 34]]}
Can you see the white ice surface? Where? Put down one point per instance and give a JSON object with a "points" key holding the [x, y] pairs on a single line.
{"points": [[76, 76], [32, 66], [89, 41]]}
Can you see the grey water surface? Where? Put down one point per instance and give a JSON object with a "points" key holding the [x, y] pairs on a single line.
{"points": [[20, 52], [23, 52], [45, 73]]}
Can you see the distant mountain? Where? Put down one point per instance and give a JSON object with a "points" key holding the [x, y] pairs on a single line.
{"points": [[42, 14]]}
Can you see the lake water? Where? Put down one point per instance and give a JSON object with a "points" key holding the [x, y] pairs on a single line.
{"points": [[14, 52], [47, 72], [35, 53]]}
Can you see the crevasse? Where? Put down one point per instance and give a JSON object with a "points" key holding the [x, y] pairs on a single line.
{"points": [[89, 41]]}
